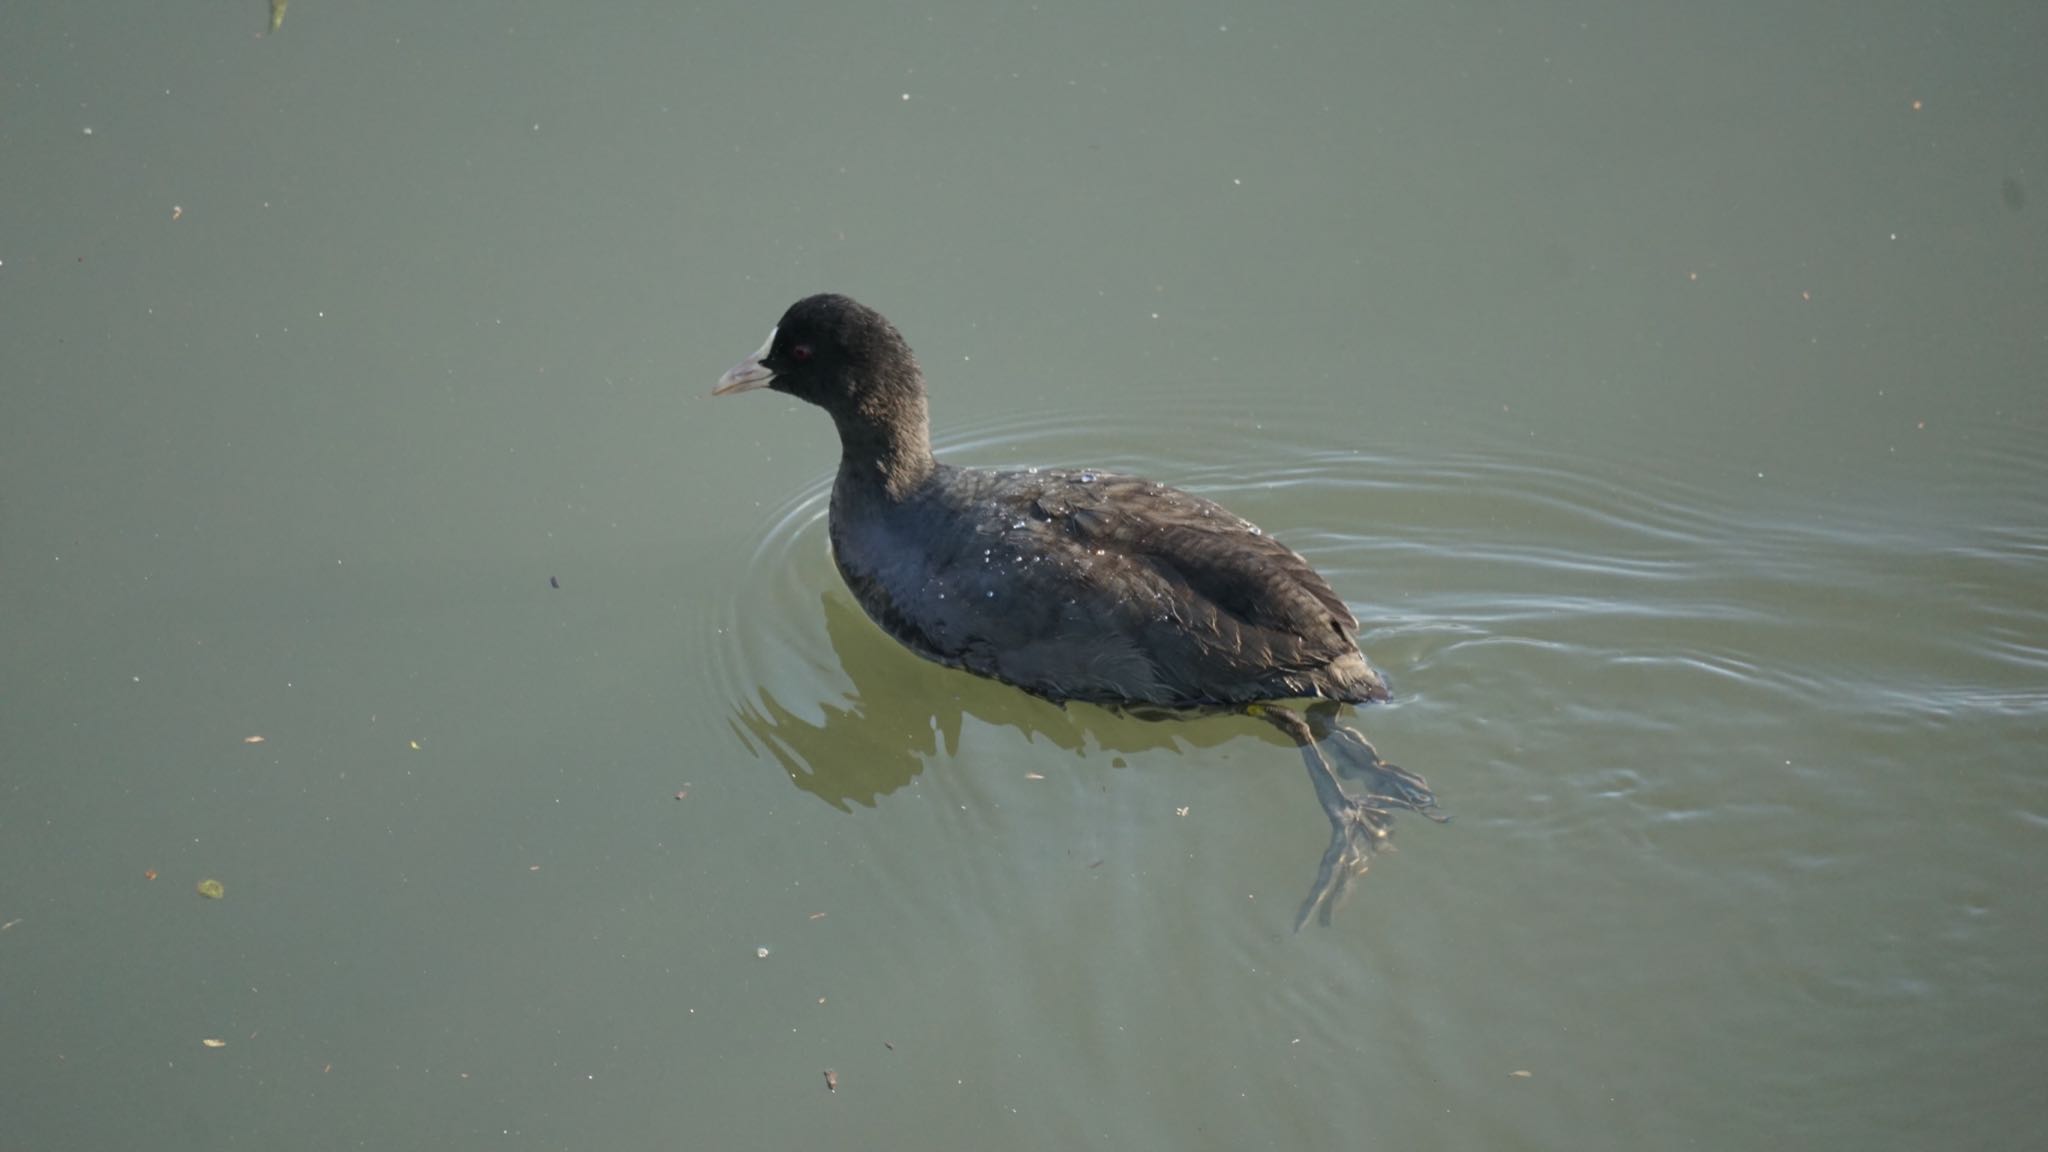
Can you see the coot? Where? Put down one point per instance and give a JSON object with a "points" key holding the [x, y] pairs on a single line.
{"points": [[1081, 584]]}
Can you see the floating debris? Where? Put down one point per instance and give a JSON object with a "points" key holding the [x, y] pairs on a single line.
{"points": [[1521, 1074], [149, 873], [760, 953], [817, 915], [212, 889], [554, 583], [1034, 775], [415, 744], [277, 14], [831, 1081], [210, 1042], [252, 739]]}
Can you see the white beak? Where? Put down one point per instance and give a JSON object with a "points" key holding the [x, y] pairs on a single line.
{"points": [[748, 374]]}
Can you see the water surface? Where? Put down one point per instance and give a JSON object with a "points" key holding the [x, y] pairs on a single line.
{"points": [[1663, 391]]}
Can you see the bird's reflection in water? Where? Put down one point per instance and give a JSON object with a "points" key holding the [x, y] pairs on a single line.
{"points": [[877, 739]]}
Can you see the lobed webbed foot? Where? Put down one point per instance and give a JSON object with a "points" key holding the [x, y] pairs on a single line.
{"points": [[1359, 821], [1387, 785]]}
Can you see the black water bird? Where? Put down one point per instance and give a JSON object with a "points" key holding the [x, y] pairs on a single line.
{"points": [[1079, 584]]}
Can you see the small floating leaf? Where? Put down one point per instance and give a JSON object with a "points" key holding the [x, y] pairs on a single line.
{"points": [[210, 1042], [212, 889]]}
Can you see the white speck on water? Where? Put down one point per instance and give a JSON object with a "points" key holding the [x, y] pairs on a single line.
{"points": [[1018, 524]]}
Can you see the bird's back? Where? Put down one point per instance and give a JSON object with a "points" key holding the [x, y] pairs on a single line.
{"points": [[1082, 585]]}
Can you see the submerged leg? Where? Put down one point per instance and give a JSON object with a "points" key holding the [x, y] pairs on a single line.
{"points": [[1358, 824], [1388, 785]]}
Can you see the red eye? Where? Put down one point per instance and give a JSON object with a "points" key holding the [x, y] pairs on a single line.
{"points": [[800, 353]]}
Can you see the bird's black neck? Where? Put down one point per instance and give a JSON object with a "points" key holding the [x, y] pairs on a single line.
{"points": [[885, 446]]}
